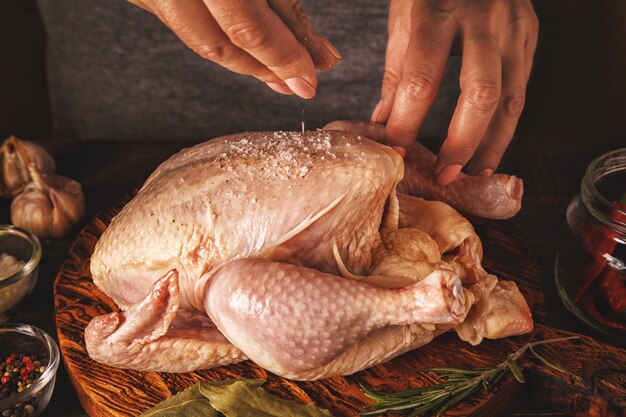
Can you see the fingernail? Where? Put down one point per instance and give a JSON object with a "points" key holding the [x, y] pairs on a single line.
{"points": [[448, 173], [331, 48], [488, 172], [280, 88], [376, 111], [301, 87], [401, 151]]}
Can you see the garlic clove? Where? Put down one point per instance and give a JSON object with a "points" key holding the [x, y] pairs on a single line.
{"points": [[67, 199], [49, 206], [15, 157], [32, 210]]}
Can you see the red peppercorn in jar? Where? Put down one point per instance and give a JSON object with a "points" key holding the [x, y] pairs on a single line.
{"points": [[591, 263]]}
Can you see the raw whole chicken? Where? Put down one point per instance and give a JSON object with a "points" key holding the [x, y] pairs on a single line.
{"points": [[297, 251]]}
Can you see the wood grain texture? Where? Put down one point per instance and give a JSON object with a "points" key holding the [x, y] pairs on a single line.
{"points": [[599, 389]]}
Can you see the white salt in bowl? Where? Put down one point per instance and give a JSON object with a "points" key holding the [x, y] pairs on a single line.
{"points": [[17, 282]]}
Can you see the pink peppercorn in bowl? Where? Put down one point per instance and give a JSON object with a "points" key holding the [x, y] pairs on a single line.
{"points": [[29, 359]]}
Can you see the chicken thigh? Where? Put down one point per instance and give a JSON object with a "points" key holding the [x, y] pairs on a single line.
{"points": [[293, 250]]}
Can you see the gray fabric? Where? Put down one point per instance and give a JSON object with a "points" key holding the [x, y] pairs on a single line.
{"points": [[115, 71]]}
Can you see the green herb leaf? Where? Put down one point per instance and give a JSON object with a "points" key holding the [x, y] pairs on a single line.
{"points": [[548, 363], [246, 398], [458, 371], [457, 399], [187, 403], [517, 373], [622, 199], [459, 384]]}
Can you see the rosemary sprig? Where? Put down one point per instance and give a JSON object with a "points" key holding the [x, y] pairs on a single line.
{"points": [[458, 384]]}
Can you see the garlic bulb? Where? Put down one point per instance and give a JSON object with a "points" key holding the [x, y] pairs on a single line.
{"points": [[51, 205], [15, 157]]}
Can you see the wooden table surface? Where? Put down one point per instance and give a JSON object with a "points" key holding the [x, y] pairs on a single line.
{"points": [[551, 166]]}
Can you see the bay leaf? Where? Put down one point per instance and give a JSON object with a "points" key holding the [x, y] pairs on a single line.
{"points": [[188, 403], [246, 398]]}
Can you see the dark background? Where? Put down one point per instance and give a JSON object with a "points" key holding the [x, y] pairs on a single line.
{"points": [[576, 108], [577, 86], [24, 109]]}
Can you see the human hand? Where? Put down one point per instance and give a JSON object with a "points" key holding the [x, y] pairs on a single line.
{"points": [[272, 40], [498, 40]]}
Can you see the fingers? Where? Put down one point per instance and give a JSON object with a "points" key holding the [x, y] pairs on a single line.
{"points": [[248, 37], [195, 26], [425, 61], [500, 133], [281, 88], [481, 78], [324, 54], [517, 59], [399, 28], [252, 26], [496, 38]]}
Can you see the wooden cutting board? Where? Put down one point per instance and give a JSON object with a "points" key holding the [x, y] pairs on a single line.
{"points": [[600, 389]]}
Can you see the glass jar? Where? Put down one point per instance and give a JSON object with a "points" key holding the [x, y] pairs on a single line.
{"points": [[590, 268]]}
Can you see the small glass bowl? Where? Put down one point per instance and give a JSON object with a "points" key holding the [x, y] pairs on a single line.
{"points": [[22, 338], [25, 247]]}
